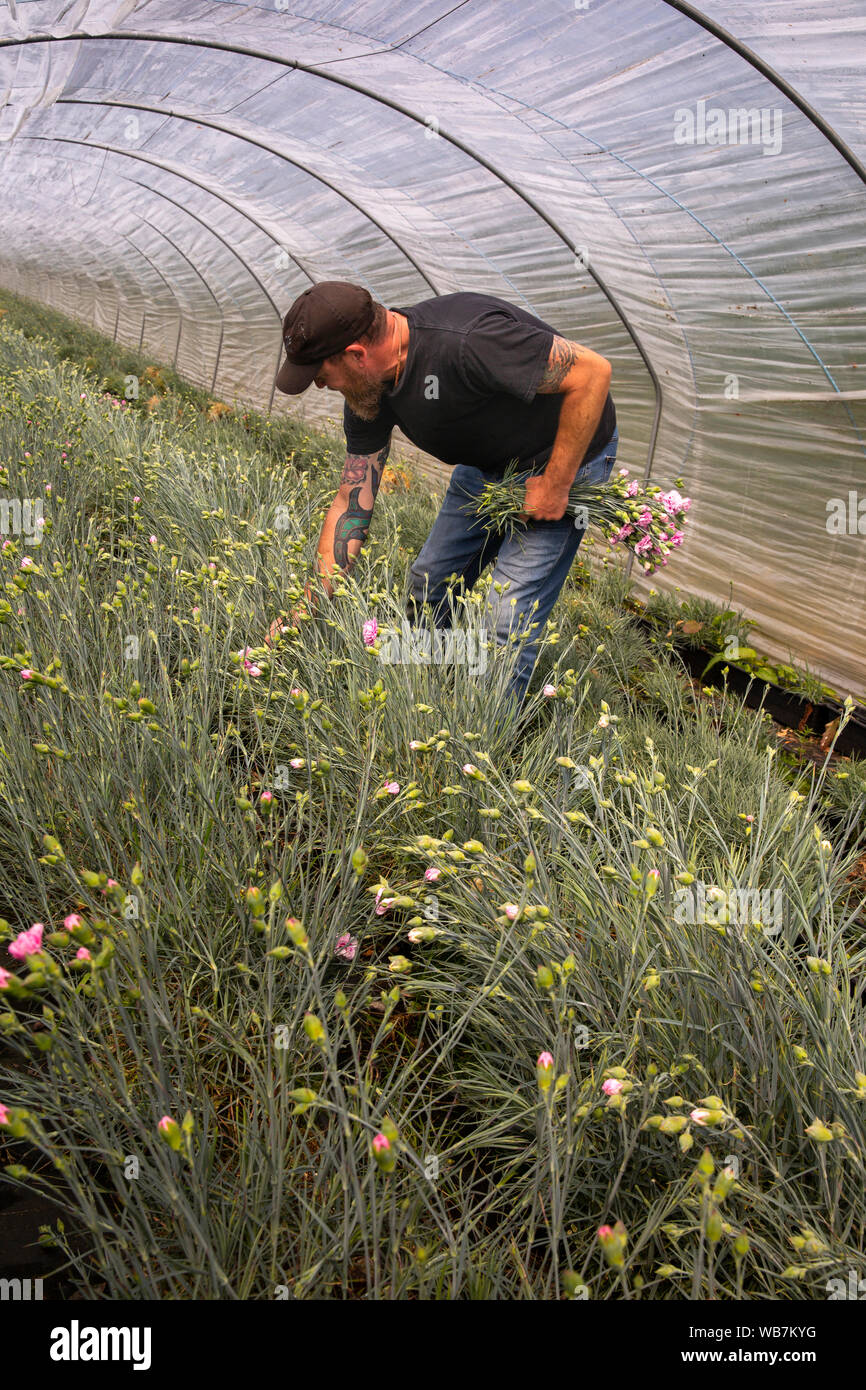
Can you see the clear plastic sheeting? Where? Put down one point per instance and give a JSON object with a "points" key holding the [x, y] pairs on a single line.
{"points": [[680, 187]]}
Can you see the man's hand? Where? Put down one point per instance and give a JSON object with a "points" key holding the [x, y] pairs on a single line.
{"points": [[305, 608], [545, 501]]}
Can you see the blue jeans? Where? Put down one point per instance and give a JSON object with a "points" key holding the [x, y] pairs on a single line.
{"points": [[533, 562]]}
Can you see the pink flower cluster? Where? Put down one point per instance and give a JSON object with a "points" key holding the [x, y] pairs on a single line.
{"points": [[652, 524]]}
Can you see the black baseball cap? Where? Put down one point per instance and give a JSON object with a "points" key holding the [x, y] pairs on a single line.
{"points": [[323, 321]]}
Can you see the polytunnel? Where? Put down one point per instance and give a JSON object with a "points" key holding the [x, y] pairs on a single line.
{"points": [[681, 187]]}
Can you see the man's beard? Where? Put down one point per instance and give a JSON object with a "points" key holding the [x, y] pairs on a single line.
{"points": [[364, 397]]}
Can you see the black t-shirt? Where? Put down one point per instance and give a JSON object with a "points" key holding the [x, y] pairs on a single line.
{"points": [[467, 393]]}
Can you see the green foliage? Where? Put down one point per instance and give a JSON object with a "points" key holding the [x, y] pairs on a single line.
{"points": [[379, 1120], [701, 623]]}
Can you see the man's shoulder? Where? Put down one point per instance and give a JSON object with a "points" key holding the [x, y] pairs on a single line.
{"points": [[461, 311]]}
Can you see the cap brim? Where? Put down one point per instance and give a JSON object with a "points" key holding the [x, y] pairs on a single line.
{"points": [[294, 379]]}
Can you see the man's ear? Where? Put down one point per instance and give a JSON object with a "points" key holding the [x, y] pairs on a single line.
{"points": [[355, 353]]}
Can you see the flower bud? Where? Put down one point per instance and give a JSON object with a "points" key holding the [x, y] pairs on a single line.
{"points": [[544, 1071], [705, 1166], [297, 933], [170, 1131], [383, 1153], [613, 1241], [819, 1132], [255, 901], [304, 1098], [314, 1029], [421, 934], [818, 966]]}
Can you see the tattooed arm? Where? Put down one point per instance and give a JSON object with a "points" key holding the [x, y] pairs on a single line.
{"points": [[345, 528], [582, 377], [348, 519]]}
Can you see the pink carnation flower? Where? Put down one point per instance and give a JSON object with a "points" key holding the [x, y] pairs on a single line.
{"points": [[74, 919], [370, 631], [612, 1087], [644, 545], [632, 488], [82, 953], [545, 1061], [392, 788], [381, 1143], [5, 977], [432, 874], [674, 502], [27, 943], [346, 947]]}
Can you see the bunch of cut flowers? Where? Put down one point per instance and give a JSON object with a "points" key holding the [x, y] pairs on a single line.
{"points": [[642, 518]]}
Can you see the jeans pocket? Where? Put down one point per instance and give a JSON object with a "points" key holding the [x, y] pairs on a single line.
{"points": [[598, 470]]}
